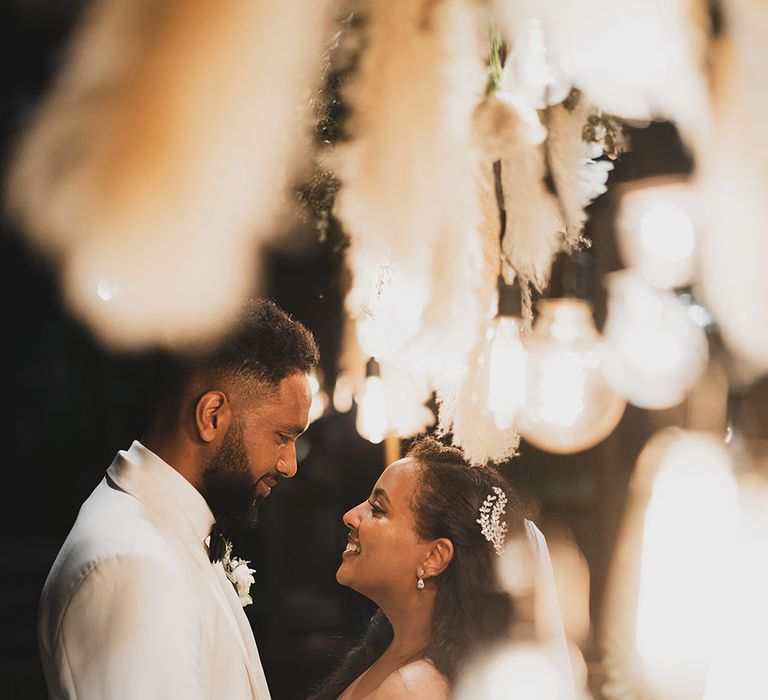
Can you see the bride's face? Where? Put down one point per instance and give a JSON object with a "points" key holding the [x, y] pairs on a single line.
{"points": [[383, 550]]}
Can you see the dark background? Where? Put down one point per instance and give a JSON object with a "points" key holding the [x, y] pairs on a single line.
{"points": [[69, 404]]}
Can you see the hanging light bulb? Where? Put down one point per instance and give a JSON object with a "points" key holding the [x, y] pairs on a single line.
{"points": [[319, 397], [406, 394], [506, 370], [686, 558], [671, 592], [343, 393], [501, 390], [738, 669], [391, 314], [656, 352], [656, 232], [570, 406], [371, 421]]}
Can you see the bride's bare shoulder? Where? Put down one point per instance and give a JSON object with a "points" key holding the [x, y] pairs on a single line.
{"points": [[418, 679]]}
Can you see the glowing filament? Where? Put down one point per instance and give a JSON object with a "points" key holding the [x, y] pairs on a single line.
{"points": [[371, 420], [506, 371]]}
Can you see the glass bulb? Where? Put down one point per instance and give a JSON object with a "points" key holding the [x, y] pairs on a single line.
{"points": [[343, 393], [570, 406], [319, 398], [739, 669], [656, 233], [666, 233], [371, 421], [656, 352], [406, 395], [391, 314], [686, 559], [502, 386]]}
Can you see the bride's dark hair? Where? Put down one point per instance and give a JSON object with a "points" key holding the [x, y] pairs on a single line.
{"points": [[471, 610]]}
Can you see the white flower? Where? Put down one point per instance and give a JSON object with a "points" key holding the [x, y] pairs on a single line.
{"points": [[593, 177], [239, 574], [242, 578]]}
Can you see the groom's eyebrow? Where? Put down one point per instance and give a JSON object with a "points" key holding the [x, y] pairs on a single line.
{"points": [[292, 431]]}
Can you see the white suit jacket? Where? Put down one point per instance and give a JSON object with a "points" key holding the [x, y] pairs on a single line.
{"points": [[133, 608]]}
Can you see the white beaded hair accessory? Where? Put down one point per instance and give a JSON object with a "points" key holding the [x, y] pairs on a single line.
{"points": [[493, 527]]}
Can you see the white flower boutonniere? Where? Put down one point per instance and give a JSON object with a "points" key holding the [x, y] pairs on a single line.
{"points": [[239, 573]]}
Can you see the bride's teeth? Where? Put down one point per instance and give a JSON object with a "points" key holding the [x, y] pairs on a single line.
{"points": [[352, 547]]}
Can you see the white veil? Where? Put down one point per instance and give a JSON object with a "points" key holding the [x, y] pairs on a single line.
{"points": [[537, 667], [549, 621]]}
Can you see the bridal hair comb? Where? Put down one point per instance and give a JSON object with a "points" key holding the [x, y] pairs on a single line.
{"points": [[492, 526]]}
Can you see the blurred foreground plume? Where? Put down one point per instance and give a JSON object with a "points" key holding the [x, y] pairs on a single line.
{"points": [[407, 197], [603, 48], [462, 412], [732, 175], [156, 164]]}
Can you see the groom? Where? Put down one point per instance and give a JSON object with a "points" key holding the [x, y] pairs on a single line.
{"points": [[137, 604]]}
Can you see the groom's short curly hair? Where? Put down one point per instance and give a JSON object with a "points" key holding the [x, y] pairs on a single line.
{"points": [[265, 344], [263, 347]]}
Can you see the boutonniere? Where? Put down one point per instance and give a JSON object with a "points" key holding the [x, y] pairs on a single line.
{"points": [[239, 574]]}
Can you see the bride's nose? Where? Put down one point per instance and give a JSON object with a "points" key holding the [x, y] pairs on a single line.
{"points": [[352, 517]]}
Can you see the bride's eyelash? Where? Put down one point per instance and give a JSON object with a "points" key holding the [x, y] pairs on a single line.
{"points": [[376, 509]]}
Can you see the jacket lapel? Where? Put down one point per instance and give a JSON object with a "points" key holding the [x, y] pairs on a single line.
{"points": [[136, 481], [245, 629]]}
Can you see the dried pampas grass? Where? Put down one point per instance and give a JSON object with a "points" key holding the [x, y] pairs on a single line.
{"points": [[578, 177], [508, 129], [638, 59], [407, 180], [461, 413], [535, 226], [156, 164], [465, 418]]}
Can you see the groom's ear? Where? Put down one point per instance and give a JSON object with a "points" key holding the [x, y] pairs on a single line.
{"points": [[212, 413], [439, 557]]}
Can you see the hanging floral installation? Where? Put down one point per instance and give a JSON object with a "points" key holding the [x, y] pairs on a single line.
{"points": [[463, 412], [417, 199], [441, 118], [575, 151], [407, 176], [639, 59], [458, 144]]}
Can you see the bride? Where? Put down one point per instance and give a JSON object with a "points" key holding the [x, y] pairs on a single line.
{"points": [[423, 548]]}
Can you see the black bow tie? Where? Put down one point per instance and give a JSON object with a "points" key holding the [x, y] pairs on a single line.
{"points": [[217, 546]]}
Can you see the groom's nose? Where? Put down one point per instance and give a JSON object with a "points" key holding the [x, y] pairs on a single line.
{"points": [[287, 465]]}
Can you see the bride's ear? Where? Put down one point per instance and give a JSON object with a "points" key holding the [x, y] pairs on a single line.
{"points": [[439, 557]]}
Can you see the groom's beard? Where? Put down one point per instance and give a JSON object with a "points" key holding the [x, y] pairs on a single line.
{"points": [[227, 484]]}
